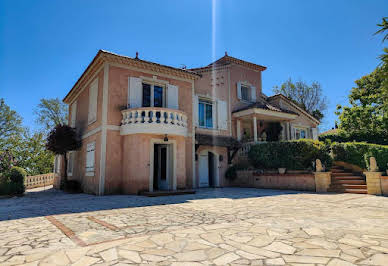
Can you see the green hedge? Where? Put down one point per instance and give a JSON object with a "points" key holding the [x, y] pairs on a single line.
{"points": [[377, 137], [293, 155], [13, 184], [358, 153]]}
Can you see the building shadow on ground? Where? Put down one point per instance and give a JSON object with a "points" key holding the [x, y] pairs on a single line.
{"points": [[37, 203]]}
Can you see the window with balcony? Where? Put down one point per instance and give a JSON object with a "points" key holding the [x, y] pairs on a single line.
{"points": [[153, 95], [205, 114]]}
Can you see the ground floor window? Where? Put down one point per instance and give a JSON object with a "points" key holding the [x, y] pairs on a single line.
{"points": [[300, 133]]}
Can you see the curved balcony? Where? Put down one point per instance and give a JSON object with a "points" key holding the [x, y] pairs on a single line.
{"points": [[153, 120]]}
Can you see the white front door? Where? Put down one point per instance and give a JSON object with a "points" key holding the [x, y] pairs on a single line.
{"points": [[163, 167], [203, 170]]}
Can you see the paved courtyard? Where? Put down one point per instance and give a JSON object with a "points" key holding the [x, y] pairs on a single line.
{"points": [[229, 226]]}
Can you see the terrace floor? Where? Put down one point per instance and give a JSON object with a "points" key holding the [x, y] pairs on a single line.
{"points": [[227, 226]]}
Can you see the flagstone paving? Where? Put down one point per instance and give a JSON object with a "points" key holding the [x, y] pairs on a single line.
{"points": [[229, 226]]}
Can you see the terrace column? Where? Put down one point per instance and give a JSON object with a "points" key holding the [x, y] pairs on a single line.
{"points": [[238, 129], [288, 135], [255, 129]]}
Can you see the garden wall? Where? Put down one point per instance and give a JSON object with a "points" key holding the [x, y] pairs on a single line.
{"points": [[294, 181], [39, 180]]}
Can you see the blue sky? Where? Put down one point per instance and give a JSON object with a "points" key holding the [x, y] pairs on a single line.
{"points": [[46, 45]]}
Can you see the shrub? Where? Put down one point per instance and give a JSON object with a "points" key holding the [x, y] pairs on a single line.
{"points": [[358, 153], [376, 137], [17, 175], [293, 155], [13, 183], [231, 172]]}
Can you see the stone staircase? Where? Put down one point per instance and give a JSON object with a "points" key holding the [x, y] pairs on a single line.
{"points": [[345, 181]]}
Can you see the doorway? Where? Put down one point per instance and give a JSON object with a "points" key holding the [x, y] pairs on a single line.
{"points": [[208, 169], [163, 167]]}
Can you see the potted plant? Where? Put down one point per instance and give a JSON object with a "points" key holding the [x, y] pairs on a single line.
{"points": [[282, 162]]}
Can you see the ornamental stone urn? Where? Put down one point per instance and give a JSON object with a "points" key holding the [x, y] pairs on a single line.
{"points": [[318, 166], [373, 165]]}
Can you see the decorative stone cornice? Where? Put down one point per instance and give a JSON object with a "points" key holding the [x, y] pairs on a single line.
{"points": [[108, 57]]}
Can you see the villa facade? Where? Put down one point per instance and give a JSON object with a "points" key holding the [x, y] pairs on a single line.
{"points": [[147, 127]]}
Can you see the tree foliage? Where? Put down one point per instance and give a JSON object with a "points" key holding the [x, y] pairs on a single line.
{"points": [[368, 110], [10, 125], [61, 140], [51, 112], [383, 28], [308, 97], [19, 147]]}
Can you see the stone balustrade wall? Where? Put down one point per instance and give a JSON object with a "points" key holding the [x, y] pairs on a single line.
{"points": [[39, 180]]}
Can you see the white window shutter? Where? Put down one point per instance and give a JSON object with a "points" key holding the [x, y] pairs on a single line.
{"points": [[93, 94], [315, 133], [90, 148], [239, 90], [195, 110], [222, 115], [214, 114], [73, 114], [253, 94], [172, 96], [135, 92]]}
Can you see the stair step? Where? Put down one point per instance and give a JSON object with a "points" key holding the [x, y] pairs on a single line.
{"points": [[337, 171], [350, 186], [348, 177], [348, 190], [356, 191], [350, 182], [342, 174]]}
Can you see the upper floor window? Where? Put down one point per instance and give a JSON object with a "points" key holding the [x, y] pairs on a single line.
{"points": [[73, 110], [93, 93], [205, 114], [153, 95], [246, 92]]}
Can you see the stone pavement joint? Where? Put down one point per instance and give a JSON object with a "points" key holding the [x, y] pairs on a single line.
{"points": [[228, 226], [68, 232], [107, 225]]}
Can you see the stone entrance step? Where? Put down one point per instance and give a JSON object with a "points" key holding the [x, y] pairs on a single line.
{"points": [[350, 182], [345, 181]]}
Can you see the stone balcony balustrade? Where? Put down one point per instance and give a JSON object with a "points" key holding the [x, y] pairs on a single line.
{"points": [[153, 120]]}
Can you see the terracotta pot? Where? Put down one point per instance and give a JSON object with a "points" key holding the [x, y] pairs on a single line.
{"points": [[282, 170]]}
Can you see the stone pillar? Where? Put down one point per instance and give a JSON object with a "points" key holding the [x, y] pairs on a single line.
{"points": [[373, 182], [255, 129], [238, 122], [322, 181]]}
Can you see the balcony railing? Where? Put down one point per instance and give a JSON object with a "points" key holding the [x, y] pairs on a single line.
{"points": [[153, 120]]}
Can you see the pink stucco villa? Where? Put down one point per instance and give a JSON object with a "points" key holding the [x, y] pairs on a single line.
{"points": [[147, 127]]}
